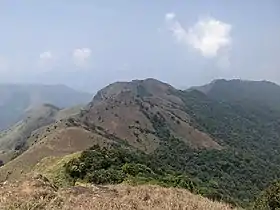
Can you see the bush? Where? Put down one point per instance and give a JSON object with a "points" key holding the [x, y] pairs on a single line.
{"points": [[112, 166], [102, 176], [134, 169], [270, 198]]}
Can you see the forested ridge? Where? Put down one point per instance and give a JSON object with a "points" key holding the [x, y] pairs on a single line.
{"points": [[249, 133]]}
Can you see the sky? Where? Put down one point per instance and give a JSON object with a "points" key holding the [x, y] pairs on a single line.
{"points": [[87, 44]]}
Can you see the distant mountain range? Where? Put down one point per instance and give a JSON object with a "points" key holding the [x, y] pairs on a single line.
{"points": [[16, 99], [224, 136]]}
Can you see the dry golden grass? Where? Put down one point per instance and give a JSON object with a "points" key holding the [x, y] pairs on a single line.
{"points": [[58, 143], [39, 193]]}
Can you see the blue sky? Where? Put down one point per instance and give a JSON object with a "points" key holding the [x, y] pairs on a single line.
{"points": [[87, 44]]}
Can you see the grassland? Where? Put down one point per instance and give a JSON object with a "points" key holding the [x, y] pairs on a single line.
{"points": [[38, 192]]}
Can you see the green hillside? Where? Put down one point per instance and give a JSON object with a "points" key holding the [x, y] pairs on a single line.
{"points": [[217, 143], [247, 131]]}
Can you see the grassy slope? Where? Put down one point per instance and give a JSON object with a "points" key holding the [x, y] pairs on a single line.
{"points": [[26, 132], [127, 109], [24, 195], [53, 168], [34, 119], [57, 143], [68, 112]]}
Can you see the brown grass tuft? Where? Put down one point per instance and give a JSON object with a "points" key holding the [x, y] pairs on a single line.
{"points": [[38, 193]]}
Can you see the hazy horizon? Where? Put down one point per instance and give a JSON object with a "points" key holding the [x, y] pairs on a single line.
{"points": [[87, 45]]}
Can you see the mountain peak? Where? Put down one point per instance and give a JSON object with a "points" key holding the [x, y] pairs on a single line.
{"points": [[133, 110], [263, 92], [135, 88]]}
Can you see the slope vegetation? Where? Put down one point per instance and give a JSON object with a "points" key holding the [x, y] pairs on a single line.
{"points": [[15, 137], [226, 140], [23, 134], [226, 143], [136, 111], [254, 94], [25, 195], [61, 139]]}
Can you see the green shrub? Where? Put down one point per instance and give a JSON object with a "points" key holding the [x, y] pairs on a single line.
{"points": [[111, 166], [103, 176], [269, 199]]}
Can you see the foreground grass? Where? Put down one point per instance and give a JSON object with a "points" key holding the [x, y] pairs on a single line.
{"points": [[38, 193]]}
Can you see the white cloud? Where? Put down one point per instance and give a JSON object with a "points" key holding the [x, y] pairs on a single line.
{"points": [[47, 61], [170, 16], [208, 36], [81, 56], [46, 55]]}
